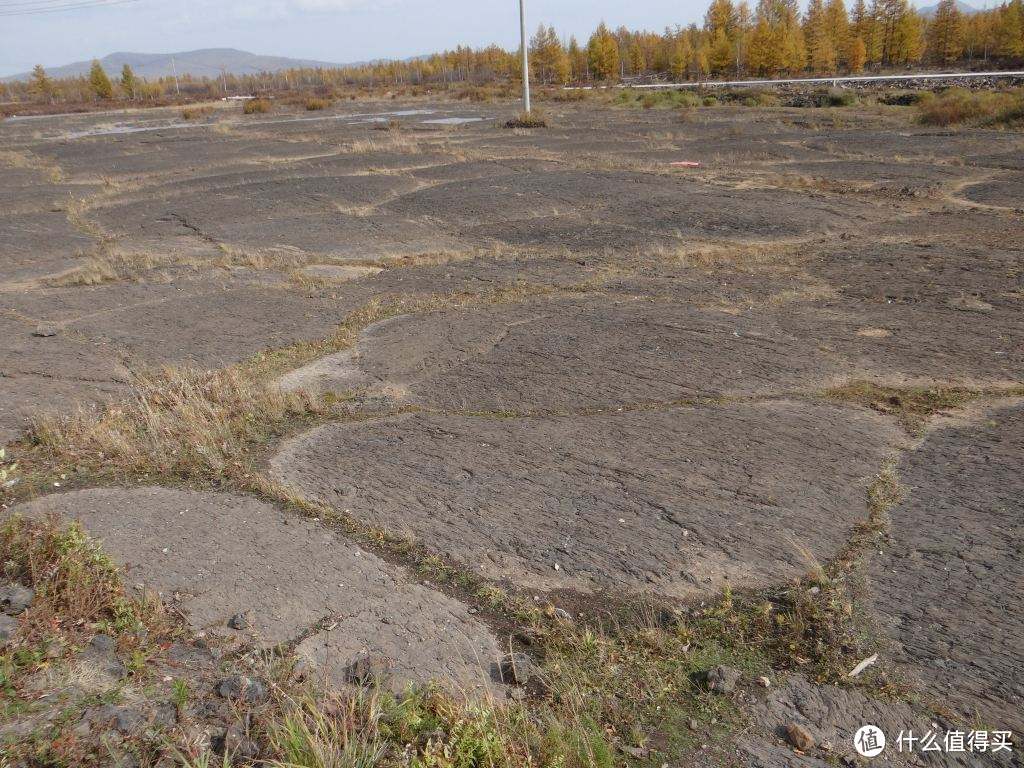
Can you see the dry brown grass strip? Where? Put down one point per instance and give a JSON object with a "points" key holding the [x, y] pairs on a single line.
{"points": [[179, 422]]}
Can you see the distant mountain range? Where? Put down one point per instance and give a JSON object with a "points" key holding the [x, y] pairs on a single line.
{"points": [[209, 62], [930, 10]]}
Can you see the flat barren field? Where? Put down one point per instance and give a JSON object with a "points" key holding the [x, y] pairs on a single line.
{"points": [[622, 441]]}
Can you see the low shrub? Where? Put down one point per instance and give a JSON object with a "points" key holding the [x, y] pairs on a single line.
{"points": [[195, 113], [256, 107], [749, 97], [835, 97], [903, 98], [987, 108], [315, 103], [532, 119], [569, 95]]}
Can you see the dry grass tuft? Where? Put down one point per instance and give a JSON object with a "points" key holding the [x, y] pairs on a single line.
{"points": [[105, 268], [914, 406], [315, 103], [175, 422], [196, 113], [388, 125], [394, 142], [534, 119], [256, 107]]}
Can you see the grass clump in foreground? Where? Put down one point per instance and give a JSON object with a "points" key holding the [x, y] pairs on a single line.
{"points": [[1000, 109], [77, 594], [175, 422], [75, 584]]}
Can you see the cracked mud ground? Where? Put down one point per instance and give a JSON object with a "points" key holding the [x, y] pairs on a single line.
{"points": [[613, 376]]}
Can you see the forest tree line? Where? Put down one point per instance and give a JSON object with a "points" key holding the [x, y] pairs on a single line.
{"points": [[771, 40]]}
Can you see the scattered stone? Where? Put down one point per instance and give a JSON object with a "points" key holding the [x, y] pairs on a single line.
{"points": [[102, 644], [563, 615], [8, 626], [166, 715], [970, 304], [764, 682], [242, 688], [45, 331], [15, 598], [636, 752], [693, 724], [367, 669], [799, 737], [241, 620], [124, 720], [82, 730], [516, 669], [722, 679], [234, 742]]}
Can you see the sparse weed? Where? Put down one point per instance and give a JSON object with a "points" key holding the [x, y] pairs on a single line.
{"points": [[914, 406], [180, 693]]}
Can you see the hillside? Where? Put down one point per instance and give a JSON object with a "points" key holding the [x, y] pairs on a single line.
{"points": [[207, 62]]}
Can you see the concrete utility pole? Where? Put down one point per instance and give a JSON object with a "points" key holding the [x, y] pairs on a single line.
{"points": [[174, 69], [526, 57]]}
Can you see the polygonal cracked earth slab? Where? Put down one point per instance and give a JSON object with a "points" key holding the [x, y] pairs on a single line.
{"points": [[571, 354], [678, 500], [951, 585], [223, 555], [1007, 191]]}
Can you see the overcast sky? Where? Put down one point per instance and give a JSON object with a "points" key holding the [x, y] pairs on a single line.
{"points": [[329, 30]]}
